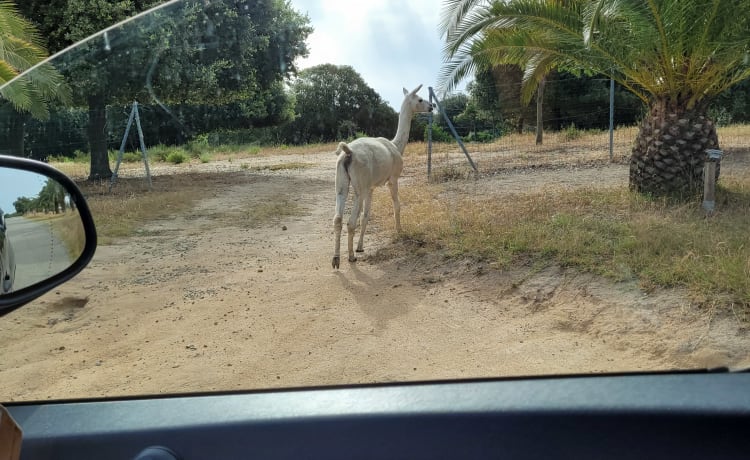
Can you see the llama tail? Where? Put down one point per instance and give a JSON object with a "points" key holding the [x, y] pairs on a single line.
{"points": [[343, 148], [342, 177], [345, 161]]}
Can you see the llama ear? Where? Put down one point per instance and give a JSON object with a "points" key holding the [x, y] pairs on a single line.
{"points": [[405, 92], [416, 89]]}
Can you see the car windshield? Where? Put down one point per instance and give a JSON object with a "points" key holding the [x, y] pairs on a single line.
{"points": [[297, 193]]}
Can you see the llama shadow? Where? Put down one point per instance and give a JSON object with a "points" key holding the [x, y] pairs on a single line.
{"points": [[379, 299]]}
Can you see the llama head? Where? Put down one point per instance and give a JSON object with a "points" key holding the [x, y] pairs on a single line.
{"points": [[414, 103]]}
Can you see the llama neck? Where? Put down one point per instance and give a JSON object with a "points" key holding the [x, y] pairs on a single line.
{"points": [[402, 133]]}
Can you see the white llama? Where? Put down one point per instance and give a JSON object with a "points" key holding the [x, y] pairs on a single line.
{"points": [[370, 162]]}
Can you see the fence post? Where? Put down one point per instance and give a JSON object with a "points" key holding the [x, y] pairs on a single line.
{"points": [[611, 118], [122, 148], [429, 140], [709, 180], [453, 130]]}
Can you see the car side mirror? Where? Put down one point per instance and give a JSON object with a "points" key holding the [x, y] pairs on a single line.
{"points": [[47, 235]]}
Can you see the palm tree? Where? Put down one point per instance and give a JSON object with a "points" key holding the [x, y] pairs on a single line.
{"points": [[20, 50], [675, 55]]}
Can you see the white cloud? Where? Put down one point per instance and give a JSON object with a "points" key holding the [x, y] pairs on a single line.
{"points": [[392, 44]]}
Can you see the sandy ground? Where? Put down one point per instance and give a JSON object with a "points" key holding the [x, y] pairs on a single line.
{"points": [[201, 302]]}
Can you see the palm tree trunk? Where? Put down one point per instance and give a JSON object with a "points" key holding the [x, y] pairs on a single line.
{"points": [[97, 132], [540, 112], [670, 151]]}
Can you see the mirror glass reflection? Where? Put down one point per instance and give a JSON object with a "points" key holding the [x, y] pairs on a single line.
{"points": [[41, 233]]}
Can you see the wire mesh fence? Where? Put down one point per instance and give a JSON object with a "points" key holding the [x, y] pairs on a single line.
{"points": [[563, 140]]}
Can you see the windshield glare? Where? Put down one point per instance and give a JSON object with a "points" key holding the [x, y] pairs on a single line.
{"points": [[293, 193]]}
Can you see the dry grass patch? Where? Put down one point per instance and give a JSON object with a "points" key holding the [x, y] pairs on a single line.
{"points": [[130, 204], [69, 229], [608, 231]]}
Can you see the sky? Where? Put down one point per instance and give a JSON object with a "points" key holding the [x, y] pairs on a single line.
{"points": [[16, 183], [392, 44]]}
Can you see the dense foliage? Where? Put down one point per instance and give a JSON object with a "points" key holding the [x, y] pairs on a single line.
{"points": [[334, 102], [196, 62]]}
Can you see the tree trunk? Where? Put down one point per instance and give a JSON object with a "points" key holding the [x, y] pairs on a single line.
{"points": [[16, 134], [540, 112], [97, 133], [670, 151]]}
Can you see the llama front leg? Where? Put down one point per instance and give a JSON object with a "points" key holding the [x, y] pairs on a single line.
{"points": [[393, 186], [363, 226], [351, 226]]}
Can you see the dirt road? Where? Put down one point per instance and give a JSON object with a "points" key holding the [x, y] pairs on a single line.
{"points": [[215, 299]]}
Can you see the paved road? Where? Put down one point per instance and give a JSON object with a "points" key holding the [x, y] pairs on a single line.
{"points": [[39, 253]]}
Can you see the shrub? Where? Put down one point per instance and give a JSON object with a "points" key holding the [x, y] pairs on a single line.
{"points": [[162, 152], [481, 136], [198, 145], [438, 134], [132, 157], [572, 133], [177, 158]]}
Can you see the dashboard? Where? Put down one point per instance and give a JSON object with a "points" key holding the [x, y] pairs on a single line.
{"points": [[702, 415]]}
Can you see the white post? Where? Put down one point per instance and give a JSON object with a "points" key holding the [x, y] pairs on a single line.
{"points": [[709, 180]]}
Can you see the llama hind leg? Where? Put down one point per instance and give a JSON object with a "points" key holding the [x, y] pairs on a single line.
{"points": [[337, 245], [365, 218], [393, 186], [351, 226]]}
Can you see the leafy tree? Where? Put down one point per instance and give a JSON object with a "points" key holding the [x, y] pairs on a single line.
{"points": [[191, 53], [23, 205], [496, 93], [733, 105], [51, 198], [334, 102], [674, 55]]}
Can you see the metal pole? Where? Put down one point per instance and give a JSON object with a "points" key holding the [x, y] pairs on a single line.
{"points": [[122, 148], [429, 142], [453, 130], [143, 144], [611, 118]]}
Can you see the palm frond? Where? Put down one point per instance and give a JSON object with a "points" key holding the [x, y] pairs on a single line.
{"points": [[453, 13], [679, 49], [20, 51]]}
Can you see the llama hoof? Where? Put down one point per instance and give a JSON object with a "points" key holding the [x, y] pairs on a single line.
{"points": [[335, 261], [360, 250], [352, 259]]}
